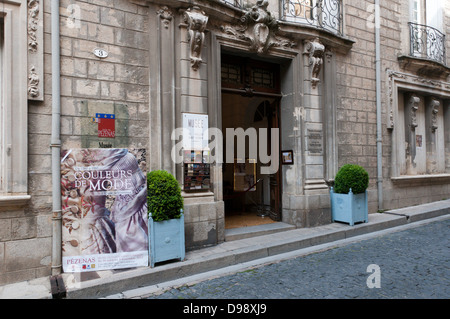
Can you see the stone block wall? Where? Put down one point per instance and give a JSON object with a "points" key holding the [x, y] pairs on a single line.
{"points": [[25, 244], [204, 223], [396, 42], [356, 113], [118, 84]]}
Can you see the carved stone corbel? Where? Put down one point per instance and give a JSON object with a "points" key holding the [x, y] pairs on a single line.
{"points": [[258, 26], [166, 16], [196, 20], [434, 104], [315, 49]]}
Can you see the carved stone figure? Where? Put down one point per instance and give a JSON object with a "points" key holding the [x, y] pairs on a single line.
{"points": [[33, 83]]}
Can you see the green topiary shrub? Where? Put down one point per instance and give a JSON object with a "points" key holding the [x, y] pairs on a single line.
{"points": [[351, 176], [163, 196]]}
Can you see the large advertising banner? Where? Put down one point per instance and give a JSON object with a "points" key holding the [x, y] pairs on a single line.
{"points": [[104, 209]]}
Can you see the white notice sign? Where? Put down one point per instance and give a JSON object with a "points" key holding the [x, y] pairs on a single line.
{"points": [[197, 127]]}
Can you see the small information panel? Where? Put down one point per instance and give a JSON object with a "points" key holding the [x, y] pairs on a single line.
{"points": [[196, 170], [315, 144], [197, 126]]}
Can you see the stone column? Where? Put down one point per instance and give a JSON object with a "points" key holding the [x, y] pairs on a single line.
{"points": [[198, 73], [162, 89], [314, 135], [329, 115]]}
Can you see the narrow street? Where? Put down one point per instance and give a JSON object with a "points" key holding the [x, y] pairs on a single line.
{"points": [[410, 264]]}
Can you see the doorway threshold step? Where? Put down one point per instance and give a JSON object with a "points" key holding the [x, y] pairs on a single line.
{"points": [[253, 231]]}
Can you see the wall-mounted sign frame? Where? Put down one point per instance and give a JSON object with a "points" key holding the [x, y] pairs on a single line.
{"points": [[314, 141], [287, 157]]}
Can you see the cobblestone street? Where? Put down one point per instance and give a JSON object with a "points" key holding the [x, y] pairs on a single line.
{"points": [[413, 263]]}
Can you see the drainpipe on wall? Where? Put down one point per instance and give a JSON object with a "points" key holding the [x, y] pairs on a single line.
{"points": [[56, 141], [378, 102]]}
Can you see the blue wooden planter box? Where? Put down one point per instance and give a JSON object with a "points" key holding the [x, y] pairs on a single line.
{"points": [[166, 240], [349, 208]]}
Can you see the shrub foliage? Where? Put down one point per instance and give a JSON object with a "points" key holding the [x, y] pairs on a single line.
{"points": [[163, 196], [351, 176]]}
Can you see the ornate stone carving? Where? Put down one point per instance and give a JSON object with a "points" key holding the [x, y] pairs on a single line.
{"points": [[258, 26], [390, 122], [262, 23], [196, 21], [35, 58], [316, 50], [33, 83], [166, 16], [397, 80], [33, 18], [328, 55]]}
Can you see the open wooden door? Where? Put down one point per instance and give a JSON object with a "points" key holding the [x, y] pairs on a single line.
{"points": [[275, 179], [254, 83]]}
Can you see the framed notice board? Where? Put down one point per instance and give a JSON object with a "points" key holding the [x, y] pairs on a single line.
{"points": [[197, 175]]}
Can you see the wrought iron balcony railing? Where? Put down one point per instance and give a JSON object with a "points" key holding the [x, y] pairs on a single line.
{"points": [[236, 3], [427, 43], [322, 14]]}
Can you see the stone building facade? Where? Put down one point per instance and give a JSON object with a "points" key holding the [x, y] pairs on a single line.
{"points": [[307, 68]]}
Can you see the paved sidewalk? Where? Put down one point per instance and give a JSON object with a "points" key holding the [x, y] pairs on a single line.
{"points": [[230, 253], [406, 262]]}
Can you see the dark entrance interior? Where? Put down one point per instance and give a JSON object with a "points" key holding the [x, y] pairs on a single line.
{"points": [[250, 99]]}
